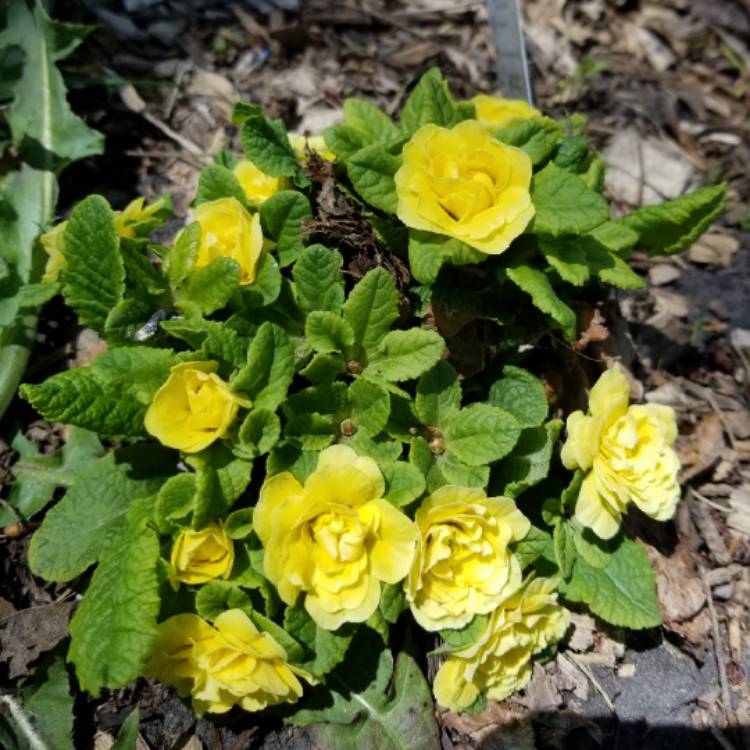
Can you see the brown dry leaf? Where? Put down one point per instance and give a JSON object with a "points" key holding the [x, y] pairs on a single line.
{"points": [[584, 632], [714, 249], [541, 694], [680, 591], [739, 517], [710, 532], [663, 273], [594, 329], [499, 726], [27, 633], [703, 448]]}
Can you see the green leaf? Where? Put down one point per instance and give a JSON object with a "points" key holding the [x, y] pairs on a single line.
{"points": [[429, 252], [612, 269], [323, 367], [392, 602], [371, 171], [209, 288], [324, 649], [109, 397], [216, 597], [269, 370], [42, 125], [371, 405], [94, 273], [283, 217], [569, 495], [568, 257], [532, 546], [372, 122], [113, 630], [368, 704], [403, 355], [127, 737], [344, 141], [239, 523], [448, 469], [328, 332], [84, 525], [313, 415], [175, 501], [179, 261], [215, 340], [382, 451], [595, 551], [36, 475], [429, 102], [267, 285], [453, 640], [529, 462], [623, 593], [49, 702], [615, 236], [266, 144], [480, 434], [404, 482], [563, 203], [538, 137], [565, 551], [522, 394], [536, 284], [216, 182], [259, 432], [36, 295], [674, 226], [318, 280], [438, 395], [371, 308]]}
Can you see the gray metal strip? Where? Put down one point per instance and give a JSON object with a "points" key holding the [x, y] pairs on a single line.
{"points": [[510, 50]]}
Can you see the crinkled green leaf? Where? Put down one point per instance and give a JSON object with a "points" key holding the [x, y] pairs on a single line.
{"points": [[127, 737], [283, 217], [318, 280], [113, 630], [430, 102], [209, 288], [568, 257], [382, 451], [50, 704], [392, 602], [216, 597], [429, 252], [109, 397], [180, 259], [536, 284], [522, 394], [371, 171], [175, 501], [623, 593], [448, 469], [328, 332], [344, 141], [538, 137], [269, 370], [403, 355], [532, 546], [259, 432], [480, 434], [438, 395], [371, 405], [565, 551], [267, 285], [563, 203], [266, 144], [453, 640], [94, 273], [404, 482], [674, 226], [372, 122], [371, 308], [595, 551], [36, 475], [529, 461], [81, 528], [239, 523], [313, 415], [324, 649], [216, 182], [324, 367]]}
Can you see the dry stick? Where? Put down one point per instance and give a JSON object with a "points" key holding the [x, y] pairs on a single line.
{"points": [[726, 696], [23, 723], [711, 503], [719, 736], [586, 669]]}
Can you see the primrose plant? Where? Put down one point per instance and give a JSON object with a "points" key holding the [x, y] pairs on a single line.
{"points": [[328, 447]]}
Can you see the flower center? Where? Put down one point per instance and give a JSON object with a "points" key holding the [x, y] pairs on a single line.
{"points": [[342, 537]]}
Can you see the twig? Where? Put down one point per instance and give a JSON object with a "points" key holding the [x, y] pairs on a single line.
{"points": [[187, 144], [720, 737], [727, 427], [726, 696], [586, 669], [23, 723], [711, 503]]}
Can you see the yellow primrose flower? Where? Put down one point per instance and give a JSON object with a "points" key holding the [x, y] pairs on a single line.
{"points": [[225, 664], [199, 556], [463, 566], [335, 539], [499, 662], [257, 185], [193, 408], [301, 143], [52, 242], [495, 112], [628, 452], [462, 183], [135, 213], [228, 230]]}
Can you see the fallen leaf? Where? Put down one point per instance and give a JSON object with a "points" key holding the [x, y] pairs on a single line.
{"points": [[680, 590], [714, 249], [702, 449], [593, 327], [663, 273]]}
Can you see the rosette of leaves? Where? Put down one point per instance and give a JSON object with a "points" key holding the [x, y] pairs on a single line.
{"points": [[328, 351]]}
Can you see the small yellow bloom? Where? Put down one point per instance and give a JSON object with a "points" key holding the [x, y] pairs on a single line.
{"points": [[135, 213], [335, 539], [628, 452], [301, 143], [462, 183], [193, 408], [257, 185], [463, 566], [225, 664], [499, 662], [200, 556], [52, 242], [229, 231], [494, 112]]}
